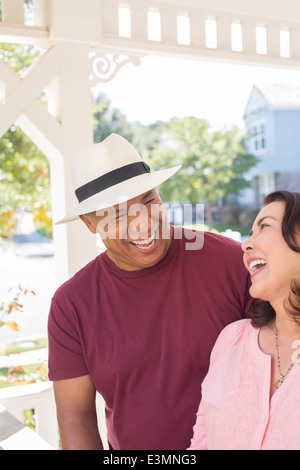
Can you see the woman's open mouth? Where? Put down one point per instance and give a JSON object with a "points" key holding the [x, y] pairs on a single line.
{"points": [[257, 265]]}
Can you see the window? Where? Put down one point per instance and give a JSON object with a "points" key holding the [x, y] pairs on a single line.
{"points": [[267, 184], [258, 138]]}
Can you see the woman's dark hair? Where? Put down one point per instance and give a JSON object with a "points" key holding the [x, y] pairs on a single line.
{"points": [[262, 312]]}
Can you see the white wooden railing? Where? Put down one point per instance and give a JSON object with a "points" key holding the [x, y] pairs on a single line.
{"points": [[38, 397], [266, 33], [14, 435], [220, 30]]}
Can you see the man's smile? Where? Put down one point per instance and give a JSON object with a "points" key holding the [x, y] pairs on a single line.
{"points": [[144, 245]]}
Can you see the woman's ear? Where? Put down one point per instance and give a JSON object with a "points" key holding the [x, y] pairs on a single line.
{"points": [[89, 223]]}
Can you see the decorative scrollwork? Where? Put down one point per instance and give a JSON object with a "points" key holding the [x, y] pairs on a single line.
{"points": [[106, 66]]}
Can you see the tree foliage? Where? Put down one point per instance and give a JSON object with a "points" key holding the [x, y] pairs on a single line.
{"points": [[24, 180], [108, 119], [24, 169], [214, 163]]}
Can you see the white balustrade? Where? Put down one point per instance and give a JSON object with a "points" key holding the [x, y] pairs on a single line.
{"points": [[193, 29], [196, 28], [39, 398]]}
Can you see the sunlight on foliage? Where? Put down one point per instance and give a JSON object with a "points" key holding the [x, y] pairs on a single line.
{"points": [[14, 304]]}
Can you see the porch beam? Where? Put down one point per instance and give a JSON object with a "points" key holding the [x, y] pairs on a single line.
{"points": [[42, 128], [20, 34], [20, 93], [13, 11]]}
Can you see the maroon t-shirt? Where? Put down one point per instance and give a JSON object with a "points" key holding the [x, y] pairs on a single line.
{"points": [[145, 337]]}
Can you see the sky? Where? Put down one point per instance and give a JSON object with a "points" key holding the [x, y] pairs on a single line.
{"points": [[162, 88]]}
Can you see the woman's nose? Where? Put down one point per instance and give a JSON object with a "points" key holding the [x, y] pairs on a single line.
{"points": [[248, 244]]}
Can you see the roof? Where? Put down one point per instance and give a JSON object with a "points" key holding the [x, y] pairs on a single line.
{"points": [[281, 95], [274, 97]]}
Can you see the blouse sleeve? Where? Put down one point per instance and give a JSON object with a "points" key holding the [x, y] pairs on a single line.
{"points": [[198, 441], [228, 338]]}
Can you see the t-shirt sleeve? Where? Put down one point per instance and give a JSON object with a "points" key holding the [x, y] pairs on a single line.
{"points": [[65, 359]]}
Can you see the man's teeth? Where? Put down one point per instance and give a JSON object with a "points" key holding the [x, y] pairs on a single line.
{"points": [[257, 264], [144, 244]]}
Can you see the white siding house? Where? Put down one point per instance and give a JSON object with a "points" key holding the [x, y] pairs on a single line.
{"points": [[272, 119]]}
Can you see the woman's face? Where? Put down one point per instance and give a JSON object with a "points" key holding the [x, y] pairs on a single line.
{"points": [[268, 258]]}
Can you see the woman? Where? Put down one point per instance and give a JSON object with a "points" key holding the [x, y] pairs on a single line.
{"points": [[251, 394]]}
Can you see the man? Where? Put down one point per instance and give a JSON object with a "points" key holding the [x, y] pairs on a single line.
{"points": [[138, 323]]}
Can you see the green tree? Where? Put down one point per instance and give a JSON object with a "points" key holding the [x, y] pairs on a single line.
{"points": [[24, 181], [108, 119], [213, 163], [24, 170]]}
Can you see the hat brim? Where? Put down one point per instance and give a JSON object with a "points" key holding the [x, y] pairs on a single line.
{"points": [[120, 193]]}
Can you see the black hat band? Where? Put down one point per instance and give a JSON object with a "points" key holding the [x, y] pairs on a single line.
{"points": [[111, 179]]}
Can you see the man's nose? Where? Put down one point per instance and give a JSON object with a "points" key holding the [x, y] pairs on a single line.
{"points": [[140, 220]]}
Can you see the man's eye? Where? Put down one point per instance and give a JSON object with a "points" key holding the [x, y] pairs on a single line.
{"points": [[120, 216], [154, 201]]}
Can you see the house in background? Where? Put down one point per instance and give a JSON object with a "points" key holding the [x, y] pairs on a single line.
{"points": [[272, 120]]}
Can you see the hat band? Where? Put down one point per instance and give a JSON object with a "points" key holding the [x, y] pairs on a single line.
{"points": [[111, 179]]}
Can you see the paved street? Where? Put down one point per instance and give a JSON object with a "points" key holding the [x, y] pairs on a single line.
{"points": [[30, 265]]}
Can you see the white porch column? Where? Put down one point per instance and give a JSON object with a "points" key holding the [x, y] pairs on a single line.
{"points": [[70, 98]]}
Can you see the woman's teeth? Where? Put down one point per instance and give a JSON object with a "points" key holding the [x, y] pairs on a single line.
{"points": [[257, 264]]}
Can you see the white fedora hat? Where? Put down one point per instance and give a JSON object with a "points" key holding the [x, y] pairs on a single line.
{"points": [[110, 173]]}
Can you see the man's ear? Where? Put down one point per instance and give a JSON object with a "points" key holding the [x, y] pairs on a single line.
{"points": [[89, 223]]}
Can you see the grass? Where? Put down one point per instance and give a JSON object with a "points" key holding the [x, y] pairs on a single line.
{"points": [[30, 345], [22, 375]]}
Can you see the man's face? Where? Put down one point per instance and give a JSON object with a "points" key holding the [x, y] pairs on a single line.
{"points": [[136, 233]]}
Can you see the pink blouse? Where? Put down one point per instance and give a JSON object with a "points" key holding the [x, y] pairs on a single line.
{"points": [[236, 412]]}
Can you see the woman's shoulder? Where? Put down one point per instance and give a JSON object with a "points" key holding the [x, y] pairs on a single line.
{"points": [[237, 328], [232, 336]]}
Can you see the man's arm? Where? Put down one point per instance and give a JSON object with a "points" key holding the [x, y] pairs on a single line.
{"points": [[76, 414]]}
